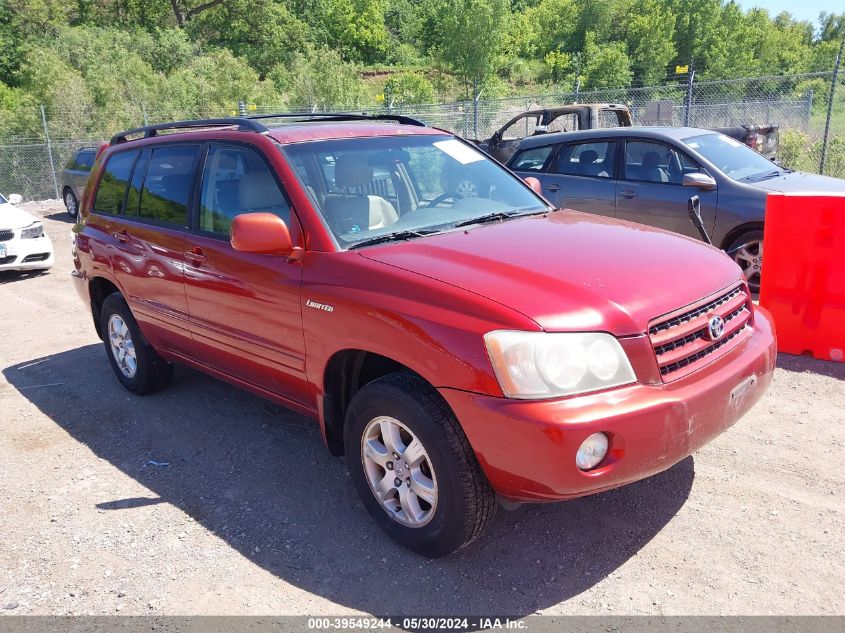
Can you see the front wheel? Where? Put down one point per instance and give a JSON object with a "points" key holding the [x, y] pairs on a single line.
{"points": [[413, 467], [747, 251]]}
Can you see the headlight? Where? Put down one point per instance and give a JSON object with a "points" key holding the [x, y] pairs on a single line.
{"points": [[546, 365], [36, 229]]}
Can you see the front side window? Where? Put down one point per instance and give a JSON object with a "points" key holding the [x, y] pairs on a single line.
{"points": [[595, 160], [112, 188], [655, 162], [237, 180], [167, 184], [368, 188], [532, 159]]}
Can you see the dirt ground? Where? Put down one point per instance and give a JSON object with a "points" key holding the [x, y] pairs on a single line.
{"points": [[203, 499]]}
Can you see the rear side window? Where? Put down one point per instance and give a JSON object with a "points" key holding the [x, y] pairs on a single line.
{"points": [[236, 180], [85, 160], [112, 188], [595, 160], [532, 159], [167, 185]]}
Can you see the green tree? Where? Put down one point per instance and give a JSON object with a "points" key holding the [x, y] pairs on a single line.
{"points": [[650, 39], [320, 80], [404, 88], [606, 66], [472, 38]]}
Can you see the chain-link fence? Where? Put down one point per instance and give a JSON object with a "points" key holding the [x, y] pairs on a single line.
{"points": [[798, 104]]}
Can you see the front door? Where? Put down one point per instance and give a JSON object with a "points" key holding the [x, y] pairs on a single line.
{"points": [[245, 308], [650, 190]]}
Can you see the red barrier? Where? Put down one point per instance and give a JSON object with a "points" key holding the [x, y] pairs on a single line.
{"points": [[803, 281]]}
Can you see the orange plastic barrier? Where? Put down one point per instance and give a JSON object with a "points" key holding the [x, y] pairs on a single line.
{"points": [[803, 280]]}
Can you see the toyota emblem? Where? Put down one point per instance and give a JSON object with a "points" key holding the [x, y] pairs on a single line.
{"points": [[715, 328]]}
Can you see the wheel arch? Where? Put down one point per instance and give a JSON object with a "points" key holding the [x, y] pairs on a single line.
{"points": [[98, 289], [345, 373], [735, 232]]}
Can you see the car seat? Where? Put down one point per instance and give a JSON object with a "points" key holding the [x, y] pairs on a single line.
{"points": [[355, 210], [651, 170]]}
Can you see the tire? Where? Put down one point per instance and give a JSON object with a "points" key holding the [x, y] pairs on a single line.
{"points": [[150, 372], [71, 203], [463, 505], [747, 251]]}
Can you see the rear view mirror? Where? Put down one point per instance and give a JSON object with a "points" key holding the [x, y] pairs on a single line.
{"points": [[535, 185], [15, 198], [699, 181], [261, 233]]}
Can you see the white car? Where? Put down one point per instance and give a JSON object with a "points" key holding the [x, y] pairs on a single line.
{"points": [[23, 243]]}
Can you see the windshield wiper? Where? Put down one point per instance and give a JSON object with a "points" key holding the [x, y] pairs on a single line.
{"points": [[498, 216], [771, 174], [393, 237]]}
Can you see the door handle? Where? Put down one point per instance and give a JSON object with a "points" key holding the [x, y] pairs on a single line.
{"points": [[195, 256], [629, 193], [122, 236], [553, 187]]}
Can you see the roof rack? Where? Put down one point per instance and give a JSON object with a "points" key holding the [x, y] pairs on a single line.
{"points": [[149, 131], [339, 116], [251, 124]]}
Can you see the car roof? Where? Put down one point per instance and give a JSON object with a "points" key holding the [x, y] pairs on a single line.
{"points": [[664, 132], [327, 130]]}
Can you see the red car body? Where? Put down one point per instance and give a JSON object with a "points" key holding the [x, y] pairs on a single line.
{"points": [[426, 305]]}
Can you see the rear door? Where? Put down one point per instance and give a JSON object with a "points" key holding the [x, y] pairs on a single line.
{"points": [[146, 230], [581, 176], [649, 190], [246, 315]]}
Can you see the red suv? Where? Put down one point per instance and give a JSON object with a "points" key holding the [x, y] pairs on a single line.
{"points": [[457, 348]]}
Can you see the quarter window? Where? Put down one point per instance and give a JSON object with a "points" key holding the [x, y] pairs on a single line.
{"points": [[167, 184], [595, 160], [237, 180], [112, 188]]}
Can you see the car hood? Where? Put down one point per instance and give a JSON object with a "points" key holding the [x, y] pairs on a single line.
{"points": [[800, 182], [570, 271], [13, 218]]}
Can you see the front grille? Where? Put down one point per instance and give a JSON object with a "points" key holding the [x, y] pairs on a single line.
{"points": [[681, 340], [9, 259], [6, 235], [37, 257]]}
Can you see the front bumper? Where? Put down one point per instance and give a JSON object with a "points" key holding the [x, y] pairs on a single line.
{"points": [[29, 254], [527, 449]]}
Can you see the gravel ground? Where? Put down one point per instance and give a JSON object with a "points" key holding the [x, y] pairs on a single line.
{"points": [[203, 499]]}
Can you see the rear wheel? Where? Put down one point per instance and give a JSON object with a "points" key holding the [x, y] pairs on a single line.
{"points": [[71, 203], [137, 365], [747, 251], [413, 467]]}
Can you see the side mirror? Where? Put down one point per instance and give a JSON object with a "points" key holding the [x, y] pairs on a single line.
{"points": [[535, 185], [699, 181], [15, 198], [261, 233]]}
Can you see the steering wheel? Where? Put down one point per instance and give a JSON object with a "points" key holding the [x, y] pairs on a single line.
{"points": [[443, 197]]}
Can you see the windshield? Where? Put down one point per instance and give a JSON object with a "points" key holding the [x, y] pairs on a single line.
{"points": [[733, 159], [372, 189]]}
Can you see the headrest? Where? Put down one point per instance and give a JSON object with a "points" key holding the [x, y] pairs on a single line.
{"points": [[588, 156], [352, 171], [258, 190]]}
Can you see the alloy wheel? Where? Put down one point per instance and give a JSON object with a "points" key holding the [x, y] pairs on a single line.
{"points": [[399, 471], [750, 259], [122, 347], [70, 204]]}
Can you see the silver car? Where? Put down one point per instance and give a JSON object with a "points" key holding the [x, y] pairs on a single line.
{"points": [[75, 176], [648, 174]]}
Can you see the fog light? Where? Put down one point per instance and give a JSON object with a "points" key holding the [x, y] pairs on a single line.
{"points": [[592, 451]]}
